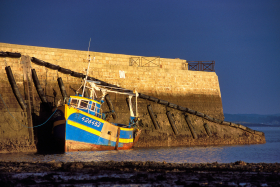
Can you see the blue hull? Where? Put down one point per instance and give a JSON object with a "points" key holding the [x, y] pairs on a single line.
{"points": [[82, 131]]}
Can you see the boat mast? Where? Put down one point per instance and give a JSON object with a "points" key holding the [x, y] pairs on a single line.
{"points": [[89, 59]]}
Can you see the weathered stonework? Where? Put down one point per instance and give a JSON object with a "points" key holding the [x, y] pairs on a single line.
{"points": [[170, 81]]}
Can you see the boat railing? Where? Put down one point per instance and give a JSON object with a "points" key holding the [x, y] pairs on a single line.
{"points": [[85, 106], [95, 110]]}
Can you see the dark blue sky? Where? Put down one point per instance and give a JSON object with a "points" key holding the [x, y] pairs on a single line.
{"points": [[243, 37]]}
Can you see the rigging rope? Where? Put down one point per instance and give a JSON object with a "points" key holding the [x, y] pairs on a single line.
{"points": [[25, 125]]}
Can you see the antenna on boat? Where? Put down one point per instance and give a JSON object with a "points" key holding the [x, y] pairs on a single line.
{"points": [[89, 59]]}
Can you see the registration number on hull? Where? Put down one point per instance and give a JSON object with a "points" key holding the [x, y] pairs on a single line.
{"points": [[91, 121]]}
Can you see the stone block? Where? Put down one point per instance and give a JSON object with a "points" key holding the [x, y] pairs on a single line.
{"points": [[226, 123]]}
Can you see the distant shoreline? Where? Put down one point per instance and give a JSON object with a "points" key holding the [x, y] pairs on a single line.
{"points": [[272, 119], [247, 124]]}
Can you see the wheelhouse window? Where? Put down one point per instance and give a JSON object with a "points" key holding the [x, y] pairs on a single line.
{"points": [[74, 102], [92, 106], [88, 106], [83, 104]]}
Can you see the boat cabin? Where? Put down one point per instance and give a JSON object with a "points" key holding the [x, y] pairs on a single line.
{"points": [[90, 106]]}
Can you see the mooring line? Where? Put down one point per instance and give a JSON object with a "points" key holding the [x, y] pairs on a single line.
{"points": [[25, 125]]}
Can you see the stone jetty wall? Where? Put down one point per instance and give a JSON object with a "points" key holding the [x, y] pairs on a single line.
{"points": [[166, 79]]}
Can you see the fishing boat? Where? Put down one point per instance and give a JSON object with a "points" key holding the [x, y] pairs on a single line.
{"points": [[80, 125]]}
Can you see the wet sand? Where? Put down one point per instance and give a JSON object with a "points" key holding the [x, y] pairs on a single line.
{"points": [[138, 174]]}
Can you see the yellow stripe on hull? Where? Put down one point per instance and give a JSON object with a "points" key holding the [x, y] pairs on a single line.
{"points": [[122, 140], [83, 127], [126, 129]]}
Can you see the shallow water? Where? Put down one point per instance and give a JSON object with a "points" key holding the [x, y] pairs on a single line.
{"points": [[267, 153]]}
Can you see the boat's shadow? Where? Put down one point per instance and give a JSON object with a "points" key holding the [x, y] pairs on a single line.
{"points": [[45, 141]]}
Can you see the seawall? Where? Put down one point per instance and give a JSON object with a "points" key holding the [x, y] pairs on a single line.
{"points": [[166, 79]]}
